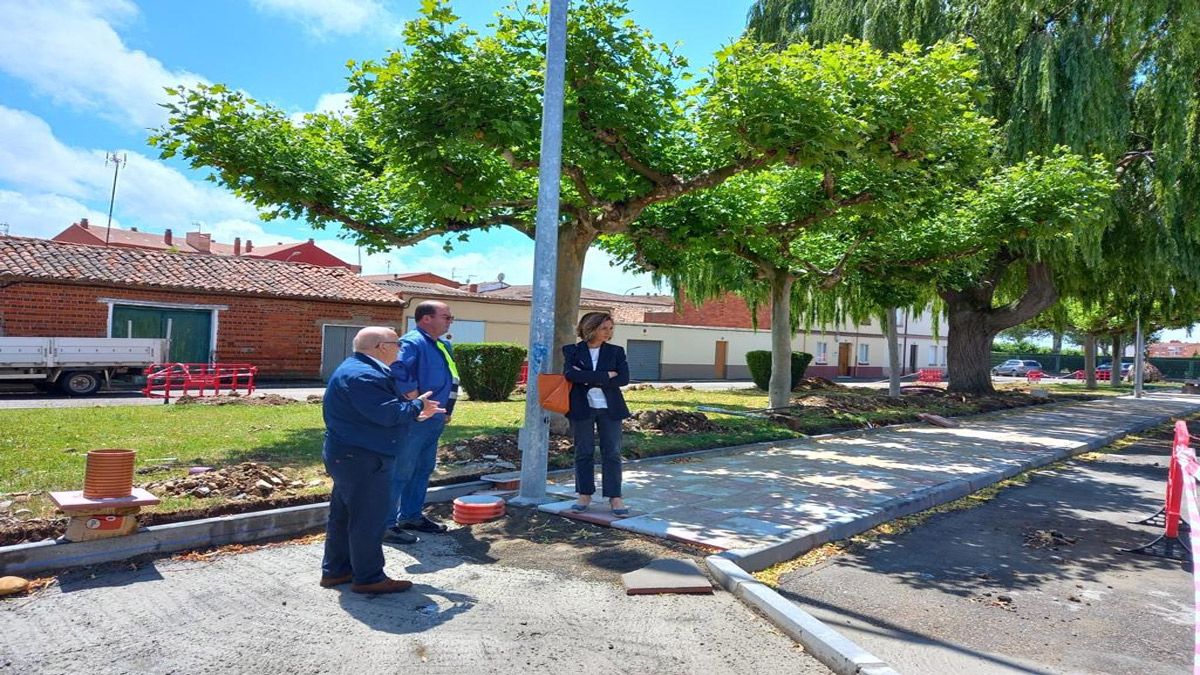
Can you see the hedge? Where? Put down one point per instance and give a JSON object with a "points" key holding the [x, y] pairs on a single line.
{"points": [[488, 371], [759, 363]]}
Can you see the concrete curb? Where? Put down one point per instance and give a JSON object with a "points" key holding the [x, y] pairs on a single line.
{"points": [[52, 555], [828, 646]]}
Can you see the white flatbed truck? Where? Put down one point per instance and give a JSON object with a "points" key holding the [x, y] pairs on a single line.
{"points": [[74, 365]]}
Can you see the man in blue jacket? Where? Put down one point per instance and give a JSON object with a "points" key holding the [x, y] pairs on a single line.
{"points": [[426, 363], [365, 423]]}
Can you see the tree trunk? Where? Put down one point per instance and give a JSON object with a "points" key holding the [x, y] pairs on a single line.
{"points": [[1057, 348], [779, 392], [893, 355], [573, 243], [1089, 360], [974, 322], [1114, 376], [968, 349]]}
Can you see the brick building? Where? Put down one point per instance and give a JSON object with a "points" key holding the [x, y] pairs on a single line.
{"points": [[306, 252], [291, 320], [1174, 349]]}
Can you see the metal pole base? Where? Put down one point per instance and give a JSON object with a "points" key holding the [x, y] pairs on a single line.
{"points": [[1172, 548], [1159, 519]]}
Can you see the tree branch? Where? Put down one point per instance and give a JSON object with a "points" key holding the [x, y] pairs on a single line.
{"points": [[575, 173], [835, 274], [1040, 293], [781, 229], [449, 226], [617, 219]]}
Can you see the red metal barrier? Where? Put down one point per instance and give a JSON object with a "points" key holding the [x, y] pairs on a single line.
{"points": [[164, 380], [523, 377], [1169, 545], [929, 375], [1033, 376]]}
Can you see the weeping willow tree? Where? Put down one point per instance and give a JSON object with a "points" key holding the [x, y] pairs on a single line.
{"points": [[1115, 78]]}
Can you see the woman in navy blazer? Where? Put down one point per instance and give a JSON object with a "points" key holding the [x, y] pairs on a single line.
{"points": [[597, 371]]}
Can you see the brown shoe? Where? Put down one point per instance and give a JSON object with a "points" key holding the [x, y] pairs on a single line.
{"points": [[380, 587], [330, 582]]}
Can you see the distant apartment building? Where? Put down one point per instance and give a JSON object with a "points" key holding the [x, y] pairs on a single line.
{"points": [[1174, 349]]}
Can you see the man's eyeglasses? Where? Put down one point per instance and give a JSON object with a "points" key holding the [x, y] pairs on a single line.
{"points": [[448, 317]]}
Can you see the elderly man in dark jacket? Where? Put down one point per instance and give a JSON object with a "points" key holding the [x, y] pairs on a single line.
{"points": [[364, 420]]}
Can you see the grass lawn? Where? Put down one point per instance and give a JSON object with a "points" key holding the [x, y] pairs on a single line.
{"points": [[45, 448]]}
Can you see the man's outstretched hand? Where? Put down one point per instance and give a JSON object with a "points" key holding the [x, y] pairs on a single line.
{"points": [[429, 407]]}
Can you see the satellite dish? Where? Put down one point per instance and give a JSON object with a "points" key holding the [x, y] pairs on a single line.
{"points": [[500, 277]]}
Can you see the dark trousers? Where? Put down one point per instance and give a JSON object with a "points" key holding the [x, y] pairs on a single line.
{"points": [[358, 510], [418, 457], [610, 453]]}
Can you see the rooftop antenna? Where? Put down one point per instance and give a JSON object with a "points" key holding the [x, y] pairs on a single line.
{"points": [[117, 161]]}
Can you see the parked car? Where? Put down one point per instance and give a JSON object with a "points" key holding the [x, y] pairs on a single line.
{"points": [[1107, 367], [1016, 368]]}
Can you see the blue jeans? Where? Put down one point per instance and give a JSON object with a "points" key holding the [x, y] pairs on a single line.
{"points": [[357, 509], [418, 455], [610, 453]]}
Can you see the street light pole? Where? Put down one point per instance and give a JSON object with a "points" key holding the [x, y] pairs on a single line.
{"points": [[534, 438]]}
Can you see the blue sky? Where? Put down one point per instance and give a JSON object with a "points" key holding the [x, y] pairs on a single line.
{"points": [[79, 78]]}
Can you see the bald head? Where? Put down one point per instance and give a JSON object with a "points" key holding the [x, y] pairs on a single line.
{"points": [[377, 341]]}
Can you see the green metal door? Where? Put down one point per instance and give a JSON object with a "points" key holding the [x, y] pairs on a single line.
{"points": [[190, 330]]}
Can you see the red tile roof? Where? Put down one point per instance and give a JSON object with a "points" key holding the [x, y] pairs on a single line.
{"points": [[44, 260]]}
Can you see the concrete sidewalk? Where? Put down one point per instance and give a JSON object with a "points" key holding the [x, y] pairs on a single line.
{"points": [[772, 501]]}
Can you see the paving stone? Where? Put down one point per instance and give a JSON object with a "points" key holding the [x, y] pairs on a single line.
{"points": [[667, 576], [789, 490]]}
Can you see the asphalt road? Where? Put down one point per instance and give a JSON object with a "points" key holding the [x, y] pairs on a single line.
{"points": [[502, 597], [991, 590]]}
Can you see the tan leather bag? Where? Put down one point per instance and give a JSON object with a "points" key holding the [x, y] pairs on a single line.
{"points": [[554, 393]]}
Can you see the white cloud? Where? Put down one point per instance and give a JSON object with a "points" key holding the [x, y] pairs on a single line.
{"points": [[149, 193], [328, 17], [327, 103], [70, 52], [44, 215]]}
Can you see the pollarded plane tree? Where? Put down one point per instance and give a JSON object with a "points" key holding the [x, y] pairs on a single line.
{"points": [[444, 134]]}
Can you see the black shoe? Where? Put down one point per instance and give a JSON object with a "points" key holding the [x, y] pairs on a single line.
{"points": [[395, 535], [422, 524]]}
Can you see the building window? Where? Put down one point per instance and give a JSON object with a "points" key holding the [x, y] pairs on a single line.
{"points": [[943, 356], [822, 355], [933, 355], [864, 354]]}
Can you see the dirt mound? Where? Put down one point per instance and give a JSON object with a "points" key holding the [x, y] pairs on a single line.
{"points": [[669, 422], [234, 399], [240, 481], [501, 447], [816, 384]]}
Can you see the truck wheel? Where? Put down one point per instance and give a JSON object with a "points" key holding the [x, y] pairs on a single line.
{"points": [[78, 383]]}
